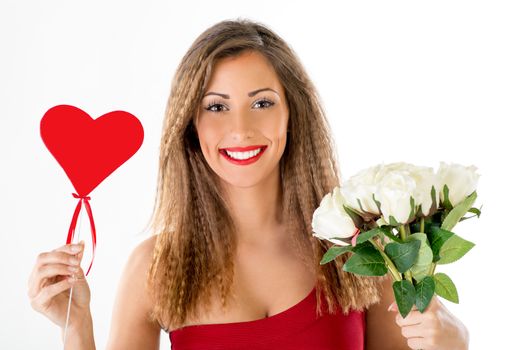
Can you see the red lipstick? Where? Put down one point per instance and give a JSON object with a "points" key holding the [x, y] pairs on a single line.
{"points": [[247, 161], [243, 149]]}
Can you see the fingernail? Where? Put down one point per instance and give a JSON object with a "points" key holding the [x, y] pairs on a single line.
{"points": [[390, 307]]}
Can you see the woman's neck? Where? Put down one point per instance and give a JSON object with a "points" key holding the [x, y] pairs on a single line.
{"points": [[257, 210]]}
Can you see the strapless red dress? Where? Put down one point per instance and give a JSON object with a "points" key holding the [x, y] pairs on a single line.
{"points": [[297, 328]]}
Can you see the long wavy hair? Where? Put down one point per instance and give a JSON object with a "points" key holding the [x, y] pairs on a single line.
{"points": [[195, 247]]}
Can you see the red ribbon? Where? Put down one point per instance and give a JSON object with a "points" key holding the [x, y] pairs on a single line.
{"points": [[71, 233]]}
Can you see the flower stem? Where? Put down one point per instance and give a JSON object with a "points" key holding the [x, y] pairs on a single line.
{"points": [[391, 267], [432, 269], [422, 224], [404, 232]]}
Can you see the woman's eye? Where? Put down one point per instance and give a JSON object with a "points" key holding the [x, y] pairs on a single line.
{"points": [[212, 107], [265, 102], [218, 107]]}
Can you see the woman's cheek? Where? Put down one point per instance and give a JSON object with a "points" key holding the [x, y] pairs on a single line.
{"points": [[275, 126]]}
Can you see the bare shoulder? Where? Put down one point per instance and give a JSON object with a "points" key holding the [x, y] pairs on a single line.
{"points": [[382, 332], [131, 327]]}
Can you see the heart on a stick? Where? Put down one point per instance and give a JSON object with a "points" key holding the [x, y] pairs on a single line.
{"points": [[89, 150]]}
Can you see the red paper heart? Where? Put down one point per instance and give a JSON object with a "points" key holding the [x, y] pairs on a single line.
{"points": [[89, 150]]}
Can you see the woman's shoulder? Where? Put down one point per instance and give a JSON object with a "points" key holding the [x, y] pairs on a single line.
{"points": [[139, 259], [138, 263], [144, 250], [130, 318]]}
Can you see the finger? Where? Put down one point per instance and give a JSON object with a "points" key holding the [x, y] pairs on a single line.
{"points": [[48, 274], [414, 331], [417, 343], [53, 270], [41, 270], [414, 317], [52, 257], [78, 275], [42, 300], [81, 254], [72, 248]]}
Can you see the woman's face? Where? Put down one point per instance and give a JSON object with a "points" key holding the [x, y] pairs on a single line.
{"points": [[243, 106]]}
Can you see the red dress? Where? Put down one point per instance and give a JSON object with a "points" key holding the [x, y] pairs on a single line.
{"points": [[297, 328]]}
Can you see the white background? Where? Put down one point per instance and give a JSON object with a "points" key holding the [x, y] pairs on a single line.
{"points": [[412, 81]]}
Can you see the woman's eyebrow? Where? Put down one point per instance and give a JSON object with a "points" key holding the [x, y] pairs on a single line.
{"points": [[250, 94]]}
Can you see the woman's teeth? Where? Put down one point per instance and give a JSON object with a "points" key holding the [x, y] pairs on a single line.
{"points": [[243, 155]]}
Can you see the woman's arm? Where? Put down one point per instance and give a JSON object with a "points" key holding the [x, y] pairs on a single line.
{"points": [[382, 331], [80, 335], [130, 327]]}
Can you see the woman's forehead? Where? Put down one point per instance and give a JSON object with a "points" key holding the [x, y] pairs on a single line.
{"points": [[243, 74]]}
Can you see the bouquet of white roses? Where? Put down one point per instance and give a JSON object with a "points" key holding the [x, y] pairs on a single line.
{"points": [[398, 218]]}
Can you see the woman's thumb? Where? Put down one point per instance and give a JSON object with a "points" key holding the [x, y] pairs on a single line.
{"points": [[81, 253]]}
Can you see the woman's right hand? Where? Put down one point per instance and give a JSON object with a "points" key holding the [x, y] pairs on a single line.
{"points": [[49, 285]]}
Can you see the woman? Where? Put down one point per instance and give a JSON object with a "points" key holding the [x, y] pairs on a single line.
{"points": [[246, 157]]}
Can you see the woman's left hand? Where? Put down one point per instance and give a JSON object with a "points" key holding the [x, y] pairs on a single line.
{"points": [[434, 329]]}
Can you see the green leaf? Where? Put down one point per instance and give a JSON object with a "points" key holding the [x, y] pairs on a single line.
{"points": [[366, 236], [437, 237], [445, 287], [363, 246], [393, 221], [424, 292], [403, 255], [355, 217], [446, 203], [453, 249], [404, 296], [367, 262], [459, 211], [387, 232], [475, 211], [422, 264], [434, 204], [333, 252]]}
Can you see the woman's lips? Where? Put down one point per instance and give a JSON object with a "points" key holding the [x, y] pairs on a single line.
{"points": [[243, 161], [243, 149]]}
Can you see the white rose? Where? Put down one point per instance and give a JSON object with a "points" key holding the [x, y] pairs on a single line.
{"points": [[425, 178], [330, 219], [461, 181], [361, 186], [394, 192], [385, 169]]}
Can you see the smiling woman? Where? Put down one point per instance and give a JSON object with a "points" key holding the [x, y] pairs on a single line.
{"points": [[246, 157]]}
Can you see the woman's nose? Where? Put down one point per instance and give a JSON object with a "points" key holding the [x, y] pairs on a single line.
{"points": [[242, 126]]}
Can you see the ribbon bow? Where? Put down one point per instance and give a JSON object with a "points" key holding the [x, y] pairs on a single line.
{"points": [[71, 233]]}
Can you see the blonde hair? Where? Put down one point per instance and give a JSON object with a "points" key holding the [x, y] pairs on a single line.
{"points": [[195, 246]]}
